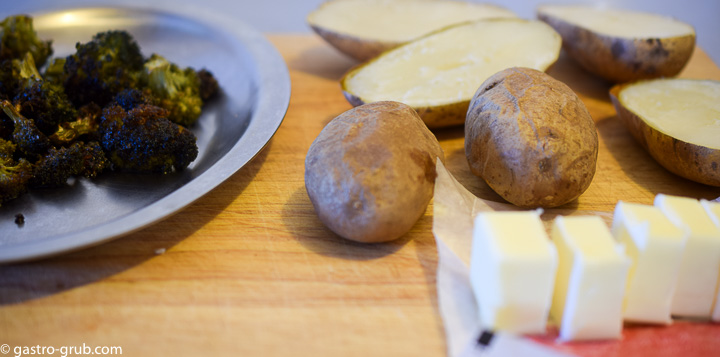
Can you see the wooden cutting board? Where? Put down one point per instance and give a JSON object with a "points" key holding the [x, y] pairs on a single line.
{"points": [[249, 270]]}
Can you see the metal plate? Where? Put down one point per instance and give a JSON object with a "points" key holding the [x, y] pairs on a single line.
{"points": [[255, 88]]}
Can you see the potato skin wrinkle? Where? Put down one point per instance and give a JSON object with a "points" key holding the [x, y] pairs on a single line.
{"points": [[370, 173], [531, 139]]}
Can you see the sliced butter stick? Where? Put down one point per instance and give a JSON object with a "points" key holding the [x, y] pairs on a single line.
{"points": [[700, 266], [590, 280], [713, 210], [655, 246], [512, 269]]}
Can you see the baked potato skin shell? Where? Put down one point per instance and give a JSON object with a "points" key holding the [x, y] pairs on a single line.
{"points": [[354, 47], [622, 60], [370, 173], [440, 116], [531, 139], [694, 162]]}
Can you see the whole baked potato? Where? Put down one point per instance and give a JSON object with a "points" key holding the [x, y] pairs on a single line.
{"points": [[370, 173], [531, 139]]}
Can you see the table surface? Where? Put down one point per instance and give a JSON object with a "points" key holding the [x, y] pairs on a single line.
{"points": [[249, 269]]}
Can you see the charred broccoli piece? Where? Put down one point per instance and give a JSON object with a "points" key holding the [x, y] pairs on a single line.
{"points": [[209, 86], [59, 164], [47, 104], [18, 37], [55, 72], [88, 122], [8, 79], [142, 139], [27, 71], [178, 90], [43, 101], [28, 138], [17, 74], [130, 98], [103, 67], [14, 175], [84, 127]]}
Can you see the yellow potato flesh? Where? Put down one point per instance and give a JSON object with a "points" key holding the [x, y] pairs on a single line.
{"points": [[399, 20], [687, 110], [449, 66], [619, 23]]}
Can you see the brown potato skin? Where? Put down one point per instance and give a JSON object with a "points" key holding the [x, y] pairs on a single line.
{"points": [[621, 60], [694, 162], [531, 139], [354, 47], [370, 173]]}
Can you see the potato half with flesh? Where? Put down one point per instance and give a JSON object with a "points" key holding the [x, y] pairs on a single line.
{"points": [[437, 75], [620, 45], [531, 139], [371, 171], [677, 121], [363, 29]]}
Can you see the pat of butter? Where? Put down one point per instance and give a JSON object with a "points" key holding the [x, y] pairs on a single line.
{"points": [[512, 271], [713, 210], [700, 266], [590, 280], [655, 246]]}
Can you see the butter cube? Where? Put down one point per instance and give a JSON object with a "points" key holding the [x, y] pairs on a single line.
{"points": [[713, 210], [512, 270], [655, 246], [700, 266], [590, 279]]}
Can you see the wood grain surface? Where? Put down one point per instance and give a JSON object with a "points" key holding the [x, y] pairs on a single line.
{"points": [[249, 270]]}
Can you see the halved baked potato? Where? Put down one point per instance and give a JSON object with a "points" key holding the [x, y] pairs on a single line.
{"points": [[438, 74], [620, 45], [363, 29], [677, 121]]}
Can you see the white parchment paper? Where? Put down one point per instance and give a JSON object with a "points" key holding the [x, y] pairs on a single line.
{"points": [[454, 210]]}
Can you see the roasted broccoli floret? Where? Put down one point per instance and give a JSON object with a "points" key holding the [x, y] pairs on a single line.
{"points": [[45, 102], [28, 138], [142, 139], [209, 86], [85, 127], [18, 37], [55, 71], [14, 174], [59, 164], [27, 70], [103, 67], [8, 79], [17, 74], [180, 91], [131, 98]]}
